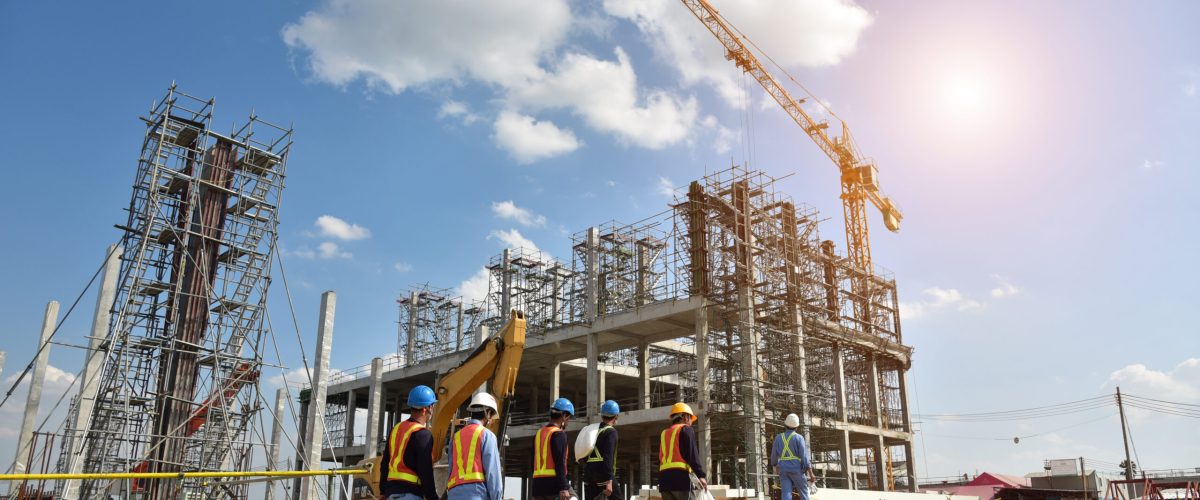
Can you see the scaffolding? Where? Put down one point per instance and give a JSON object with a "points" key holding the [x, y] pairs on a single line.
{"points": [[178, 387]]}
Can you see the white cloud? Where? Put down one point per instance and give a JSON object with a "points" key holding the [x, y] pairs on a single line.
{"points": [[723, 139], [528, 140], [340, 229], [475, 288], [818, 33], [514, 239], [605, 95], [1181, 384], [1191, 82], [666, 187], [396, 45], [1151, 164], [1004, 289], [402, 267], [458, 109], [330, 250], [296, 378], [509, 210], [937, 299]]}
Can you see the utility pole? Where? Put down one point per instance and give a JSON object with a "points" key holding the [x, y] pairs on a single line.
{"points": [[1083, 478], [1125, 437]]}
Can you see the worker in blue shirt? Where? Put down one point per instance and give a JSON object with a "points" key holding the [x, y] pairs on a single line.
{"points": [[599, 472], [789, 457], [475, 471]]}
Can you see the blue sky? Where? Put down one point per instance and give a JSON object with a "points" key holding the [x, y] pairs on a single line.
{"points": [[1044, 155]]}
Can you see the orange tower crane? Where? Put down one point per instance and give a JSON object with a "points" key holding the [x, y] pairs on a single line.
{"points": [[860, 182]]}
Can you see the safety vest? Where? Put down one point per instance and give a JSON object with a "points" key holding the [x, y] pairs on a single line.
{"points": [[787, 454], [595, 455], [669, 455], [467, 466], [397, 469], [543, 462]]}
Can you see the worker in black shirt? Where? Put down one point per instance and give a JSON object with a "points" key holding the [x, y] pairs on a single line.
{"points": [[679, 457], [406, 471], [550, 480], [600, 471]]}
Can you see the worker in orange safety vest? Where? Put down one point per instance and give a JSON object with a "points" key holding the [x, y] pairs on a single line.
{"points": [[475, 471], [550, 480], [407, 465], [680, 473]]}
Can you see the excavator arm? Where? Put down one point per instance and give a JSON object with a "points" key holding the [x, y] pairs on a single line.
{"points": [[496, 361]]}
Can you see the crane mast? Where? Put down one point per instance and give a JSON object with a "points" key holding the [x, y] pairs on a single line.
{"points": [[859, 176]]}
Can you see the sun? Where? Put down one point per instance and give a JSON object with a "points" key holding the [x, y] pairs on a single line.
{"points": [[965, 94]]}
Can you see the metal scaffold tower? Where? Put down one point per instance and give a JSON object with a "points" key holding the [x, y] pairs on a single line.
{"points": [[178, 385]]}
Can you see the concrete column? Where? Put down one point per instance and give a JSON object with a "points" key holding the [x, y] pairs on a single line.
{"points": [[910, 466], [839, 377], [89, 381], [301, 445], [603, 390], [643, 274], [36, 379], [800, 373], [902, 376], [703, 426], [458, 329], [410, 344], [374, 408], [593, 378], [481, 334], [592, 275], [647, 457], [276, 439], [555, 300], [643, 376], [880, 467], [873, 391], [848, 460], [351, 410], [555, 379], [314, 430]]}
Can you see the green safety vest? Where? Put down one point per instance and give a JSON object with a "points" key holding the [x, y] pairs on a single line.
{"points": [[594, 456], [787, 450]]}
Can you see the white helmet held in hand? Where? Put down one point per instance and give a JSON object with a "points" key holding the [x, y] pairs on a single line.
{"points": [[792, 421], [483, 400]]}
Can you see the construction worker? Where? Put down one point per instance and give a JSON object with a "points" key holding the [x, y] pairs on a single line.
{"points": [[789, 457], [407, 465], [599, 473], [679, 457], [475, 472], [550, 481]]}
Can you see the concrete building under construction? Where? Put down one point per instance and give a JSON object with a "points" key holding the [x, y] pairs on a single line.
{"points": [[730, 300]]}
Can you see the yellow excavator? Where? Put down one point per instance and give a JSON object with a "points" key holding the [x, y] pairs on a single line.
{"points": [[496, 361]]}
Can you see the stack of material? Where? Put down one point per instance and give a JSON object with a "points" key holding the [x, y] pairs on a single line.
{"points": [[716, 490]]}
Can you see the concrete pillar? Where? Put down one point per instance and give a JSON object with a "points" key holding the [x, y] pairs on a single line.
{"points": [[703, 426], [89, 381], [848, 460], [603, 383], [647, 457], [555, 379], [36, 379], [593, 378], [374, 408], [591, 264], [555, 297], [351, 410], [276, 439], [300, 445], [314, 429], [839, 376], [874, 392], [800, 373], [506, 283], [902, 376], [752, 391], [643, 388], [879, 469], [643, 292], [458, 328], [910, 466], [410, 345]]}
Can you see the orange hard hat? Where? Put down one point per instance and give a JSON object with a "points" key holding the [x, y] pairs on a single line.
{"points": [[678, 408]]}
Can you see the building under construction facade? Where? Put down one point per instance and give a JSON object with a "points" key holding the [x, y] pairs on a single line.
{"points": [[730, 301]]}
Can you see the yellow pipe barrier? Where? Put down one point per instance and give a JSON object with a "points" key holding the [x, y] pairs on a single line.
{"points": [[181, 475]]}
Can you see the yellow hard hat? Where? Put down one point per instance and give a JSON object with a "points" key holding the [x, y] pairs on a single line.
{"points": [[678, 408]]}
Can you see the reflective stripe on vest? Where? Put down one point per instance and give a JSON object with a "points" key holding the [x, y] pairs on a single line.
{"points": [[543, 463], [787, 450], [397, 469], [459, 472], [669, 455], [595, 455]]}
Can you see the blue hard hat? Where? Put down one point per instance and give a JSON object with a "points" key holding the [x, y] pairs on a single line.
{"points": [[610, 409], [564, 405], [421, 396]]}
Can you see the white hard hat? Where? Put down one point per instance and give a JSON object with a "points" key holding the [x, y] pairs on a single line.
{"points": [[483, 400], [792, 421]]}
